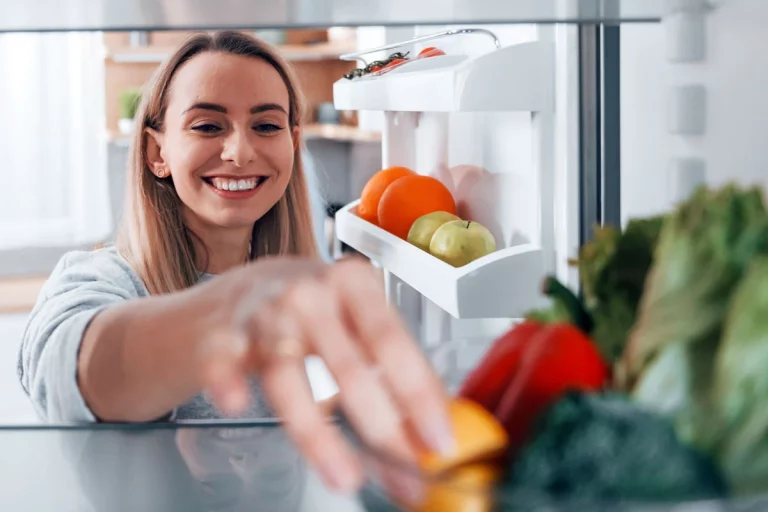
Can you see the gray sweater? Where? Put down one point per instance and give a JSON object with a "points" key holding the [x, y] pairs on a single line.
{"points": [[82, 284]]}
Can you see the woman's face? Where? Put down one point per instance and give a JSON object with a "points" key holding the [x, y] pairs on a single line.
{"points": [[226, 142]]}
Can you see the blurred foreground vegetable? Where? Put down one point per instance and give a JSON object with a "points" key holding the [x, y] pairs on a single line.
{"points": [[703, 250], [559, 358], [490, 379], [740, 428], [613, 269], [532, 365], [603, 449]]}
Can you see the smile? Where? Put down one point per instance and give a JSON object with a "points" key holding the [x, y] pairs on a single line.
{"points": [[235, 188]]}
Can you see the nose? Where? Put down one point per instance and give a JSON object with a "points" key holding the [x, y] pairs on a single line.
{"points": [[238, 149]]}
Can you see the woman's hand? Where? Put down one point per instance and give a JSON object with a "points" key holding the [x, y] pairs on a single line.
{"points": [[279, 310]]}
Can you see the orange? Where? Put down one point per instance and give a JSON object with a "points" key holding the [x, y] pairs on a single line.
{"points": [[462, 480], [478, 436], [368, 208], [410, 197], [465, 489]]}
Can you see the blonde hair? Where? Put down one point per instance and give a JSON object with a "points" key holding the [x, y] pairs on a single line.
{"points": [[153, 237]]}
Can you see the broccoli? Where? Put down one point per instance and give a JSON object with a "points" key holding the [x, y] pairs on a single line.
{"points": [[604, 449]]}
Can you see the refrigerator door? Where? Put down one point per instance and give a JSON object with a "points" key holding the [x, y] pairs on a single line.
{"points": [[493, 123], [44, 15]]}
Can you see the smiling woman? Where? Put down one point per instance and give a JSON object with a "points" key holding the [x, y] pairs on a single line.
{"points": [[178, 322], [220, 129]]}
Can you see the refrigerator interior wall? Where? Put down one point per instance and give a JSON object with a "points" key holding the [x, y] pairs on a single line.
{"points": [[734, 76]]}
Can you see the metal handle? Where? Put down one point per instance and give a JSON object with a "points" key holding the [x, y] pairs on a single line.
{"points": [[429, 37]]}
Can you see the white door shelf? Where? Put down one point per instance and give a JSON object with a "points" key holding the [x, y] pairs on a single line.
{"points": [[513, 78], [499, 285]]}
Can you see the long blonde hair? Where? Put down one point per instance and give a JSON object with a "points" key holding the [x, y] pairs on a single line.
{"points": [[153, 237]]}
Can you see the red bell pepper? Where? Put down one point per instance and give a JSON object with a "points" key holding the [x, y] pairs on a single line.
{"points": [[489, 380], [486, 383], [559, 359]]}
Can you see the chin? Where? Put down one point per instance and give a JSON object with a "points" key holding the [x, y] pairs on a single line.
{"points": [[235, 222]]}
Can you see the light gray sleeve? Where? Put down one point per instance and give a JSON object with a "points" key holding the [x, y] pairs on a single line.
{"points": [[81, 285]]}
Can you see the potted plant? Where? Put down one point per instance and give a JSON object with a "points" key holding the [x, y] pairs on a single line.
{"points": [[129, 100]]}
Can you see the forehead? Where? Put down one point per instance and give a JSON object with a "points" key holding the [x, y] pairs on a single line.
{"points": [[234, 81]]}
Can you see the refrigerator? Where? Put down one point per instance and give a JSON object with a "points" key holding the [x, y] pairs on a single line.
{"points": [[544, 118]]}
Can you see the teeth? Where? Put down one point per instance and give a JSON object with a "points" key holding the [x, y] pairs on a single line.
{"points": [[235, 185]]}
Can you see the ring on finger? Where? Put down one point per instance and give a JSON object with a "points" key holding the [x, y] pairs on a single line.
{"points": [[288, 348]]}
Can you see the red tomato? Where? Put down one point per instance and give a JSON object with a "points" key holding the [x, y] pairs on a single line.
{"points": [[390, 66], [394, 63], [431, 51]]}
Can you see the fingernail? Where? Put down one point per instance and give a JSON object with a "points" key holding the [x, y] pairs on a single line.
{"points": [[438, 435]]}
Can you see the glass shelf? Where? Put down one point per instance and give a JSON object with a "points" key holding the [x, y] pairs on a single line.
{"points": [[73, 15]]}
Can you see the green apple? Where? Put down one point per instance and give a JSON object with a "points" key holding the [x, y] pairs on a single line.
{"points": [[425, 226], [460, 242]]}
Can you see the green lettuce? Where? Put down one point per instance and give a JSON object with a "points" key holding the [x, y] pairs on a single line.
{"points": [[613, 269], [703, 251], [740, 428]]}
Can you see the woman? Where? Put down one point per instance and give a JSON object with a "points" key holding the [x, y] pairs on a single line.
{"points": [[143, 331]]}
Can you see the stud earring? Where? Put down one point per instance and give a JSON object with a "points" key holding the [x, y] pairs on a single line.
{"points": [[161, 173]]}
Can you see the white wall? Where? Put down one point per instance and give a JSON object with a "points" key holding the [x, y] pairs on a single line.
{"points": [[735, 74]]}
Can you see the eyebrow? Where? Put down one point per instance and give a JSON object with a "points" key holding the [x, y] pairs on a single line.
{"points": [[264, 107]]}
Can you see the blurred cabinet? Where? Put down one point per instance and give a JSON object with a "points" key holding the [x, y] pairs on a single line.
{"points": [[131, 60]]}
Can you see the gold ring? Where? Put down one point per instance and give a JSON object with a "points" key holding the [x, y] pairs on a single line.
{"points": [[289, 348]]}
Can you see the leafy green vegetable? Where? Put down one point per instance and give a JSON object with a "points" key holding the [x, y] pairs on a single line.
{"points": [[613, 269], [703, 250], [741, 385], [604, 448]]}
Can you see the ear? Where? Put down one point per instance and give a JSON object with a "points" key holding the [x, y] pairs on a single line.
{"points": [[296, 134], [154, 155]]}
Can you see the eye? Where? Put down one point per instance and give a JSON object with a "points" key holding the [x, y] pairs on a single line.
{"points": [[206, 128], [267, 128]]}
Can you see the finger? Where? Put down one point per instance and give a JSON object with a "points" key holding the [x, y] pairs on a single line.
{"points": [[411, 380], [367, 405], [265, 326], [285, 384], [223, 374]]}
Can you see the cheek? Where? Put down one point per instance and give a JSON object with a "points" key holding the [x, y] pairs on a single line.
{"points": [[286, 152], [282, 157], [187, 159]]}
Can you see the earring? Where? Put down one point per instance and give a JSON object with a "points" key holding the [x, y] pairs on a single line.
{"points": [[161, 173]]}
